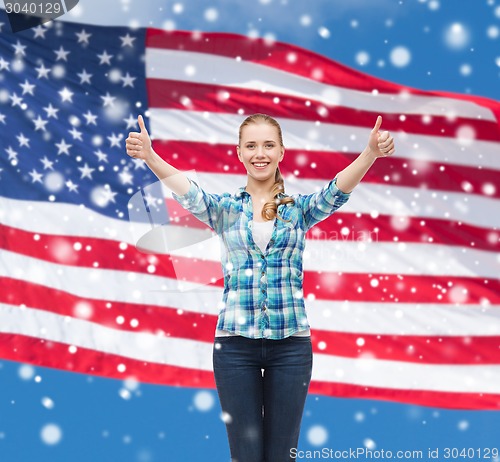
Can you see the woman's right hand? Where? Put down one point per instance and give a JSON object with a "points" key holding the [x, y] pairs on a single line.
{"points": [[138, 144]]}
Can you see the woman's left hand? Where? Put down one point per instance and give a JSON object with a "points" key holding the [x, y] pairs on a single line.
{"points": [[381, 144]]}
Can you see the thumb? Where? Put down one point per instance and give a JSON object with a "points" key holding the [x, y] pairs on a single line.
{"points": [[378, 123], [141, 124]]}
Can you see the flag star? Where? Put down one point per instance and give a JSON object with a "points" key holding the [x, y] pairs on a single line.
{"points": [[151, 201], [101, 156], [27, 87], [61, 54], [23, 141], [71, 186], [4, 64], [108, 194], [43, 71], [39, 31], [83, 37], [40, 123], [126, 177], [67, 95], [16, 100], [128, 80], [35, 176], [84, 77], [19, 49], [2, 118], [131, 122], [139, 163], [47, 164], [108, 100], [91, 118], [115, 140], [127, 40], [51, 111], [104, 58], [76, 134], [12, 154], [63, 148], [86, 171]]}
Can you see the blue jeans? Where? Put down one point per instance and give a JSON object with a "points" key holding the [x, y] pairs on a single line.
{"points": [[262, 410]]}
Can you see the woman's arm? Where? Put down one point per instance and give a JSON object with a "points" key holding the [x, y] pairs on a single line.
{"points": [[379, 145], [138, 146]]}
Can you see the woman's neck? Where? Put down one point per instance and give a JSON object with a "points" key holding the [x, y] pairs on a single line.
{"points": [[260, 189]]}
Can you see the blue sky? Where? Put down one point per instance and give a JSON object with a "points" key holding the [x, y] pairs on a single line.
{"points": [[450, 45]]}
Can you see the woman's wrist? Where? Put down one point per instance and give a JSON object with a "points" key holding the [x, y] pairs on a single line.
{"points": [[152, 158], [368, 154]]}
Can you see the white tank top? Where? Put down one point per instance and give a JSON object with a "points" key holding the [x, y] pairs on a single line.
{"points": [[261, 233]]}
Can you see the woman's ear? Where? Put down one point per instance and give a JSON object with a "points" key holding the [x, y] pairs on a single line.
{"points": [[282, 153]]}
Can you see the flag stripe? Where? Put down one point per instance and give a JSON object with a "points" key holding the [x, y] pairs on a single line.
{"points": [[362, 224], [206, 96], [376, 199], [48, 353], [473, 401], [35, 351], [326, 284], [186, 125], [409, 348], [335, 255], [28, 217], [424, 174], [358, 318], [197, 355], [332, 332]]}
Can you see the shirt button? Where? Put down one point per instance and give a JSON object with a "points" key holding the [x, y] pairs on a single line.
{"points": [[263, 291], [263, 273]]}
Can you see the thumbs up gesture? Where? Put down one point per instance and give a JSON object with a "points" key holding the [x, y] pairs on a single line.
{"points": [[138, 144], [381, 144]]}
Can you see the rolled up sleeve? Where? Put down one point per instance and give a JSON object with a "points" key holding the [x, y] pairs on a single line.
{"points": [[204, 206], [320, 205]]}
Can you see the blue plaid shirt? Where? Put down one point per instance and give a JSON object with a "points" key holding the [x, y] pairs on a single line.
{"points": [[263, 295]]}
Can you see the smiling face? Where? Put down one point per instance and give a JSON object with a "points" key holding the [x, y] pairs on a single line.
{"points": [[260, 151]]}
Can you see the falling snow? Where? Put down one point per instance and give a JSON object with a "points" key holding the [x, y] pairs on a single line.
{"points": [[152, 422]]}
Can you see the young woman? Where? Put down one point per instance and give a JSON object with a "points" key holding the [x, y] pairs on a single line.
{"points": [[262, 354]]}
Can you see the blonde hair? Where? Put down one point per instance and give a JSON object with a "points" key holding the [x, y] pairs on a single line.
{"points": [[270, 209]]}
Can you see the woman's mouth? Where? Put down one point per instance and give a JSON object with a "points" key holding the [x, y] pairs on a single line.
{"points": [[260, 165]]}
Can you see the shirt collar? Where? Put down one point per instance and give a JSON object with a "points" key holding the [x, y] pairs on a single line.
{"points": [[241, 191]]}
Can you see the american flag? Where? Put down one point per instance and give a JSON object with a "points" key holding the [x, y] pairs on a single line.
{"points": [[401, 284]]}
